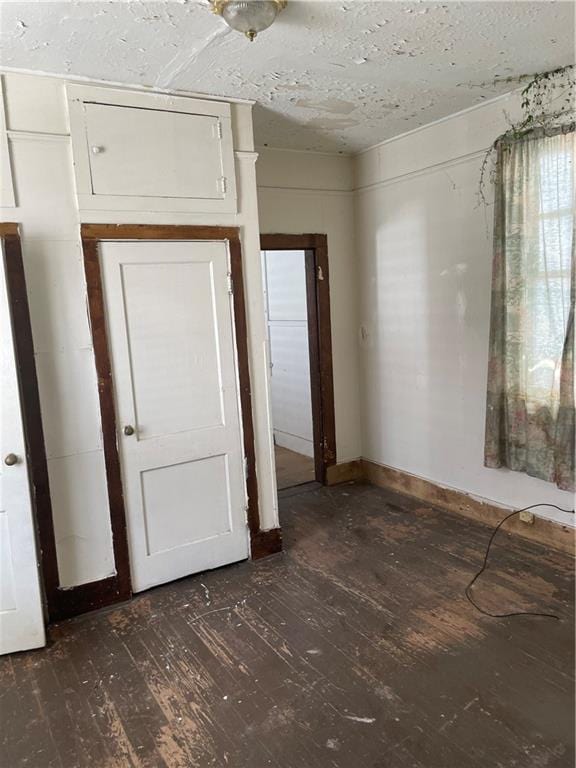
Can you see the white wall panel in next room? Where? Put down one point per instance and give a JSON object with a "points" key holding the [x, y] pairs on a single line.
{"points": [[285, 286]]}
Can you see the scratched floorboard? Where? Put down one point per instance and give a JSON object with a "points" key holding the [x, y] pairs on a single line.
{"points": [[355, 648]]}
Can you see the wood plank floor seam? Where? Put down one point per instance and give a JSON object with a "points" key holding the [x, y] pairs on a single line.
{"points": [[353, 647]]}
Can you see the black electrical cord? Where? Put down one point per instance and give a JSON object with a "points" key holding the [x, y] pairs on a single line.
{"points": [[468, 589]]}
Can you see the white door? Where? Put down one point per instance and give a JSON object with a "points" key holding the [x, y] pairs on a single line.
{"points": [[21, 615], [171, 336]]}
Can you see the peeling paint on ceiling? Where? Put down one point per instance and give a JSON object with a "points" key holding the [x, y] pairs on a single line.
{"points": [[334, 76]]}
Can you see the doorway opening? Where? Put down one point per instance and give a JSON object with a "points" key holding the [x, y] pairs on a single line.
{"points": [[297, 305]]}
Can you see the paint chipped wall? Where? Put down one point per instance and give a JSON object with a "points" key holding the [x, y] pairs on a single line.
{"points": [[424, 247], [338, 75]]}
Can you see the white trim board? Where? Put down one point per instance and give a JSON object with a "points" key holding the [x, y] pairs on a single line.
{"points": [[421, 171], [439, 121], [7, 196], [81, 79]]}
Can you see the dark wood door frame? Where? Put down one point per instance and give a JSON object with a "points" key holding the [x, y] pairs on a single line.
{"points": [[118, 587], [319, 341], [31, 415]]}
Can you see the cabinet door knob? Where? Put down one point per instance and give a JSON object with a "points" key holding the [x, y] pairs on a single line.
{"points": [[11, 459], [128, 430], [97, 150]]}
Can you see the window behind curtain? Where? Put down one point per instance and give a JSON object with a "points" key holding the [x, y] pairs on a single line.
{"points": [[548, 285], [530, 408]]}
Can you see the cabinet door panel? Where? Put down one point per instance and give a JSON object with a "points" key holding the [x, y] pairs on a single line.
{"points": [[152, 153]]}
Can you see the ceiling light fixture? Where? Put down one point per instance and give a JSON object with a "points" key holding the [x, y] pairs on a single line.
{"points": [[248, 16]]}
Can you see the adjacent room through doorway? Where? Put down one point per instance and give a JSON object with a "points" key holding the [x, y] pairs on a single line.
{"points": [[284, 274], [297, 312]]}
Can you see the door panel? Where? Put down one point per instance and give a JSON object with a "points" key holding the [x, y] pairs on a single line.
{"points": [[167, 492], [21, 616], [171, 336], [7, 581], [130, 160], [151, 152], [165, 336]]}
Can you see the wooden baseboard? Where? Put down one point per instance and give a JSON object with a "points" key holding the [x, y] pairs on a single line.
{"points": [[543, 531], [265, 543], [345, 472], [88, 597]]}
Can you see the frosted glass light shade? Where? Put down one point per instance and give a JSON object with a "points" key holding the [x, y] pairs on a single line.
{"points": [[250, 16]]}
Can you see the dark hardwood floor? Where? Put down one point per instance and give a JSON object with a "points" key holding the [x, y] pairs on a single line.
{"points": [[354, 648]]}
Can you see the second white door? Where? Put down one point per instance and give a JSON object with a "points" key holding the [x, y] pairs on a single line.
{"points": [[21, 614], [171, 335]]}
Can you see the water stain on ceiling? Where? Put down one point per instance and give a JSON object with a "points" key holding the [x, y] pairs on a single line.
{"points": [[327, 76]]}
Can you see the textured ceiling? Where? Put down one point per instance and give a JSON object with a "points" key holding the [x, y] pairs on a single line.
{"points": [[332, 76]]}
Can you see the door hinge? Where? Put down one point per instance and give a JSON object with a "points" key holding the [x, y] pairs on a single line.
{"points": [[223, 185], [230, 284], [320, 273], [219, 129], [245, 468]]}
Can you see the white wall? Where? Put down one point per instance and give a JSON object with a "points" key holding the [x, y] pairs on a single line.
{"points": [[424, 250], [39, 142], [287, 316], [306, 192]]}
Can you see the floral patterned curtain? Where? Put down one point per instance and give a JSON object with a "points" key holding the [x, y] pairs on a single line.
{"points": [[530, 402]]}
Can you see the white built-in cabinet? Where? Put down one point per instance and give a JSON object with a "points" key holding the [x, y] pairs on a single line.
{"points": [[75, 152], [151, 152]]}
